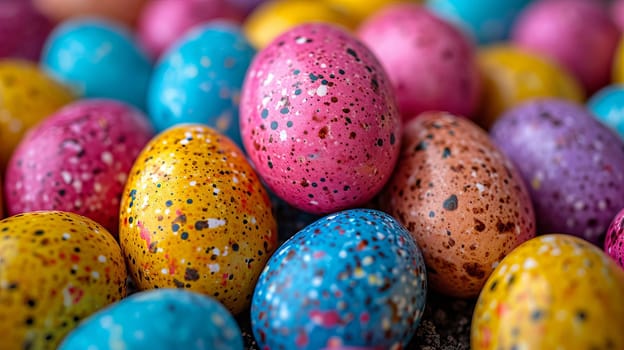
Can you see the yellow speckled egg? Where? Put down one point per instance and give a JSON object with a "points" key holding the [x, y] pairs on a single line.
{"points": [[359, 10], [552, 292], [618, 64], [275, 17], [512, 75], [27, 95], [195, 215], [56, 268]]}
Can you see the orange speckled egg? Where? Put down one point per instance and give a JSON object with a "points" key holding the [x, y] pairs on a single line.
{"points": [[552, 292], [56, 268], [462, 200], [195, 215], [125, 11]]}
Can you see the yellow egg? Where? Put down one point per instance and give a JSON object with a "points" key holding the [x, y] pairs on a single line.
{"points": [[359, 10], [512, 75], [27, 95], [618, 64], [275, 17], [125, 11], [552, 292], [56, 268], [195, 215]]}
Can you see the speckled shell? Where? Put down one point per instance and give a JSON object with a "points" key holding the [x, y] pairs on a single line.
{"points": [[28, 96], [78, 160], [431, 64], [17, 16], [614, 243], [572, 165], [319, 120], [553, 292], [194, 215], [56, 268], [462, 200], [159, 319], [353, 278]]}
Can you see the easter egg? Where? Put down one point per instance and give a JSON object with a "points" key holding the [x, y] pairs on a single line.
{"points": [[608, 106], [462, 200], [614, 242], [319, 120], [572, 164], [579, 34], [28, 95], [17, 16], [56, 268], [358, 11], [512, 75], [554, 291], [618, 64], [617, 13], [431, 64], [200, 78], [159, 319], [125, 11], [194, 215], [98, 59], [353, 278], [77, 160]]}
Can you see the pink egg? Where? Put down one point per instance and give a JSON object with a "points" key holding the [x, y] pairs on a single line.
{"points": [[319, 120], [579, 34], [614, 243], [164, 21], [431, 63], [23, 30], [77, 160], [617, 13]]}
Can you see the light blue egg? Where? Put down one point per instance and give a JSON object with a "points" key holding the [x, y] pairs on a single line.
{"points": [[159, 319], [98, 59], [486, 21], [608, 106], [200, 78], [355, 278]]}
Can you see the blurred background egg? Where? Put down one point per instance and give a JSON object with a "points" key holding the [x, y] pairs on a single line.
{"points": [[319, 119], [554, 291], [353, 278], [159, 319], [200, 78], [614, 242], [608, 106], [27, 96], [618, 64], [431, 64], [99, 59], [56, 268], [77, 160], [23, 30], [617, 13], [462, 200], [572, 164], [359, 11], [194, 215], [125, 11]]}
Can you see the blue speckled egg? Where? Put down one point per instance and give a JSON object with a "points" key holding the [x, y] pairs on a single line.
{"points": [[199, 79], [353, 278], [158, 319], [98, 59], [486, 21], [608, 106]]}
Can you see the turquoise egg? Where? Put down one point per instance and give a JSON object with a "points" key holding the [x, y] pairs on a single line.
{"points": [[199, 79], [99, 59], [608, 106]]}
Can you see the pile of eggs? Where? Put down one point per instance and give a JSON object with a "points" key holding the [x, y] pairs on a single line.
{"points": [[318, 167]]}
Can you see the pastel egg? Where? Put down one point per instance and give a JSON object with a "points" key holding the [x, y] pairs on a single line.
{"points": [[461, 198], [95, 57], [617, 13], [608, 106], [614, 242], [125, 11], [28, 95], [195, 215], [77, 160], [554, 291], [56, 268], [319, 119], [163, 22], [355, 278], [431, 64], [159, 319], [200, 78], [512, 75], [574, 33], [359, 11], [17, 16]]}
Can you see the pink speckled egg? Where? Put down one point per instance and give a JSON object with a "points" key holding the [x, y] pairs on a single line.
{"points": [[319, 120], [614, 243], [431, 63], [19, 16], [77, 160], [579, 34]]}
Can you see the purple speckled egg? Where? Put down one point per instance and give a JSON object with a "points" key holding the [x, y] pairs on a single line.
{"points": [[431, 63], [614, 243], [23, 30], [572, 165], [77, 160], [319, 119]]}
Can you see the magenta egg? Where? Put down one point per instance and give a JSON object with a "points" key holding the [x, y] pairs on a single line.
{"points": [[23, 30], [614, 243], [319, 119]]}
